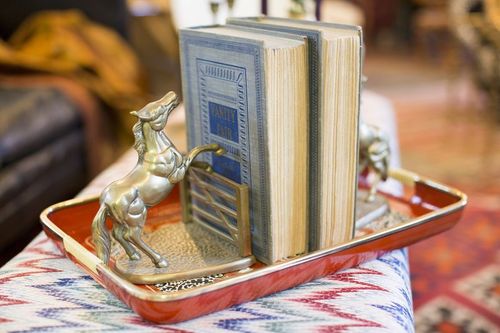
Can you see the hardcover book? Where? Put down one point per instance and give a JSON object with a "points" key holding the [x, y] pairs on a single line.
{"points": [[335, 55], [246, 90]]}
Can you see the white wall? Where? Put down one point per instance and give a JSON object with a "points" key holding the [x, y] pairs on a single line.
{"points": [[188, 13]]}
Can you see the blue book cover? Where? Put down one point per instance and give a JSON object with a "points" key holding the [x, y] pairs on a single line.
{"points": [[225, 100]]}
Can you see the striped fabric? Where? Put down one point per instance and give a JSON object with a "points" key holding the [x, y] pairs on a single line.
{"points": [[41, 290]]}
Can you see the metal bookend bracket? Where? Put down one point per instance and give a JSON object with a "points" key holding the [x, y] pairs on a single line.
{"points": [[213, 238], [221, 206]]}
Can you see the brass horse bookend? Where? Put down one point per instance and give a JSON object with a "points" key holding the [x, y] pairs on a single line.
{"points": [[159, 167], [374, 155]]}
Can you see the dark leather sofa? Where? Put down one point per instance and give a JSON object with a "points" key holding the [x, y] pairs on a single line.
{"points": [[44, 143], [42, 158]]}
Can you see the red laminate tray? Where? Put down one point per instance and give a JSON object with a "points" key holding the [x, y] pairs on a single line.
{"points": [[432, 208]]}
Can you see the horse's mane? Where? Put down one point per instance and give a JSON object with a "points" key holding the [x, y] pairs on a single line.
{"points": [[139, 144]]}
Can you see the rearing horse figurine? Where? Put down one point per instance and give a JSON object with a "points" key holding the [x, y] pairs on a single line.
{"points": [[160, 166]]}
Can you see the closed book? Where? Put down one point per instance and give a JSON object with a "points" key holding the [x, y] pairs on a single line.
{"points": [[246, 90], [335, 55]]}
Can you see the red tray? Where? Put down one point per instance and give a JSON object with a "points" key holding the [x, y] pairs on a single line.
{"points": [[432, 208]]}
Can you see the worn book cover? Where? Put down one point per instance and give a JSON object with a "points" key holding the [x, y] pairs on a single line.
{"points": [[227, 102]]}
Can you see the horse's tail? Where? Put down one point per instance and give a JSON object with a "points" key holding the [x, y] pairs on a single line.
{"points": [[100, 234]]}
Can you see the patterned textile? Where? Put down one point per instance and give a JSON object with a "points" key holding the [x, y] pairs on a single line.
{"points": [[41, 290], [68, 44], [456, 275]]}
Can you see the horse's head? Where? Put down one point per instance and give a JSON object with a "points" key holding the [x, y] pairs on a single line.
{"points": [[156, 113]]}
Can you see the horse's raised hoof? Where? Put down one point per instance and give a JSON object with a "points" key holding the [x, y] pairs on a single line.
{"points": [[135, 256], [162, 263], [220, 152]]}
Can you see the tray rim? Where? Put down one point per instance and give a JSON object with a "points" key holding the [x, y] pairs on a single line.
{"points": [[91, 262]]}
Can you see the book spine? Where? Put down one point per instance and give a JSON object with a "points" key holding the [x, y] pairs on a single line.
{"points": [[224, 96], [360, 91], [315, 78]]}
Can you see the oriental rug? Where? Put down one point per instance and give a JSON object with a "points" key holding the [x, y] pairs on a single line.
{"points": [[456, 276]]}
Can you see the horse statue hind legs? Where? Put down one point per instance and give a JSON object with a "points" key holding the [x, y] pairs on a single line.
{"points": [[159, 167]]}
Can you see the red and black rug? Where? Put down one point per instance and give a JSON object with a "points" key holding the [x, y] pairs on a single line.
{"points": [[446, 133], [456, 275]]}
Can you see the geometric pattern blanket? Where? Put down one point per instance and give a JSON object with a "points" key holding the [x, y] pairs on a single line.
{"points": [[41, 290]]}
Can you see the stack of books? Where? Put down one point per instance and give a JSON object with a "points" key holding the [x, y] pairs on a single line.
{"points": [[282, 97]]}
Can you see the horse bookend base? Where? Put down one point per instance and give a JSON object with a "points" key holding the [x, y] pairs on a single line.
{"points": [[217, 242], [212, 238]]}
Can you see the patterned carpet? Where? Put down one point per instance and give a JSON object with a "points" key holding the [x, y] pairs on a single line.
{"points": [[446, 133], [456, 276]]}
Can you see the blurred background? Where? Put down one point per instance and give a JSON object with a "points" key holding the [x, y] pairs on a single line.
{"points": [[71, 71]]}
